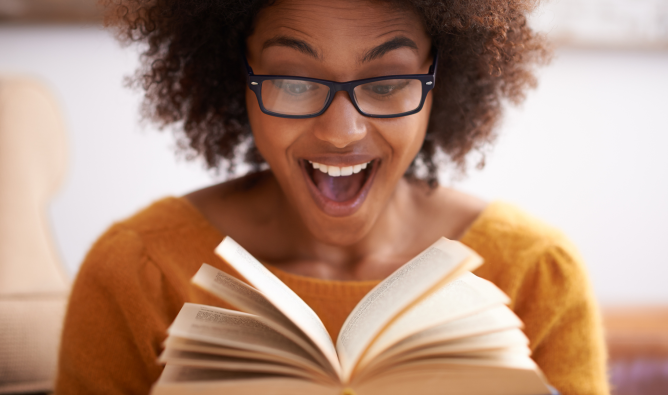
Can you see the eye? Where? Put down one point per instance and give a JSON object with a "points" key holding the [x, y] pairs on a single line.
{"points": [[294, 87], [385, 88]]}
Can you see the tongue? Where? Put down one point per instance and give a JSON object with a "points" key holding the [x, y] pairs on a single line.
{"points": [[338, 189]]}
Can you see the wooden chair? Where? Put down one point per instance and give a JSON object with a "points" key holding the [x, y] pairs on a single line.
{"points": [[33, 284]]}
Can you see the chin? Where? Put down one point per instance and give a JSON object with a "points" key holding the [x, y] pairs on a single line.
{"points": [[341, 231]]}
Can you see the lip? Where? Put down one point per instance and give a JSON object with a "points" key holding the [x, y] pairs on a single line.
{"points": [[350, 206]]}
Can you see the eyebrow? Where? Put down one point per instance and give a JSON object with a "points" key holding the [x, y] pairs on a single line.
{"points": [[382, 49], [374, 53], [299, 45]]}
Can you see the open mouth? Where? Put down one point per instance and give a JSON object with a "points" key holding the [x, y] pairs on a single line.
{"points": [[339, 190]]}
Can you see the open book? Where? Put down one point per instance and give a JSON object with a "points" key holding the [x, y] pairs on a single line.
{"points": [[431, 327]]}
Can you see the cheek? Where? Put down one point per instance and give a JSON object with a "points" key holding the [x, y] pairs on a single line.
{"points": [[416, 130], [405, 136], [272, 137]]}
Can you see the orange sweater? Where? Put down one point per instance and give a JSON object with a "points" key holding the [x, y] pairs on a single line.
{"points": [[137, 276]]}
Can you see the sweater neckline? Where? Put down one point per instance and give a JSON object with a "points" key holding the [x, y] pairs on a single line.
{"points": [[324, 287]]}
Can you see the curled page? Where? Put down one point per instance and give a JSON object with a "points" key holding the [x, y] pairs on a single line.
{"points": [[441, 262], [240, 295], [250, 300], [512, 339], [285, 299], [211, 361], [232, 329], [488, 321], [466, 295], [182, 344]]}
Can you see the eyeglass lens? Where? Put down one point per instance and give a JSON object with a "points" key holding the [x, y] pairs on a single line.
{"points": [[387, 97], [384, 97], [294, 97]]}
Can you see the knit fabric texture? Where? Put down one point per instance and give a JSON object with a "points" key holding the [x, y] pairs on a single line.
{"points": [[136, 277]]}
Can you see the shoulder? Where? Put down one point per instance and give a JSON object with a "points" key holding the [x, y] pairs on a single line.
{"points": [[164, 242], [166, 220], [503, 231], [129, 288], [162, 216], [526, 257]]}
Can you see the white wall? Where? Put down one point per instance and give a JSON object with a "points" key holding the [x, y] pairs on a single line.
{"points": [[586, 152], [604, 23], [116, 166]]}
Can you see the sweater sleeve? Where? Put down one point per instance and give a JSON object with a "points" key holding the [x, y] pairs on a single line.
{"points": [[115, 321], [562, 321]]}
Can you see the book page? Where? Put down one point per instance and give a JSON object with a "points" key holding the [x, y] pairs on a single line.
{"points": [[461, 376], [281, 296], [442, 261], [524, 351], [210, 361], [487, 348], [496, 319], [183, 344], [464, 296], [509, 338], [179, 380], [250, 300], [232, 329], [177, 373]]}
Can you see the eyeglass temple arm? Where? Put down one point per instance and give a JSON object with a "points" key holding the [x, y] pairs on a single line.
{"points": [[432, 69], [248, 68]]}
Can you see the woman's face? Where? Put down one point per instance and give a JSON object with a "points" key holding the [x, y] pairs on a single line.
{"points": [[338, 40]]}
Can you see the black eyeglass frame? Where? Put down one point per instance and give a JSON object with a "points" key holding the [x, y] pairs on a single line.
{"points": [[427, 82]]}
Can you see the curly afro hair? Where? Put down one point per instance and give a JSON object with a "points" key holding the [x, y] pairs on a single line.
{"points": [[193, 76]]}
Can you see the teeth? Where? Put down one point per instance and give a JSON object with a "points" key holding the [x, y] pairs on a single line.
{"points": [[336, 171], [333, 171]]}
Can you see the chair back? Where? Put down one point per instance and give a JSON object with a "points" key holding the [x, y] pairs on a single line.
{"points": [[33, 282]]}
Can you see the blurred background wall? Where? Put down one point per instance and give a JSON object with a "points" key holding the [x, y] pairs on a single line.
{"points": [[586, 151]]}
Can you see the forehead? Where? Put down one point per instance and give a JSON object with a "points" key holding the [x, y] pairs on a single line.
{"points": [[329, 25]]}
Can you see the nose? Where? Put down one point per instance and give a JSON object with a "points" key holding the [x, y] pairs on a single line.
{"points": [[341, 124]]}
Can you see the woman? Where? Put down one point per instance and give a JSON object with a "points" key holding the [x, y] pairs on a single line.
{"points": [[350, 191]]}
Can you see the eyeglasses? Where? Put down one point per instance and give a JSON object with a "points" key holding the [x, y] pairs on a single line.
{"points": [[381, 97]]}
